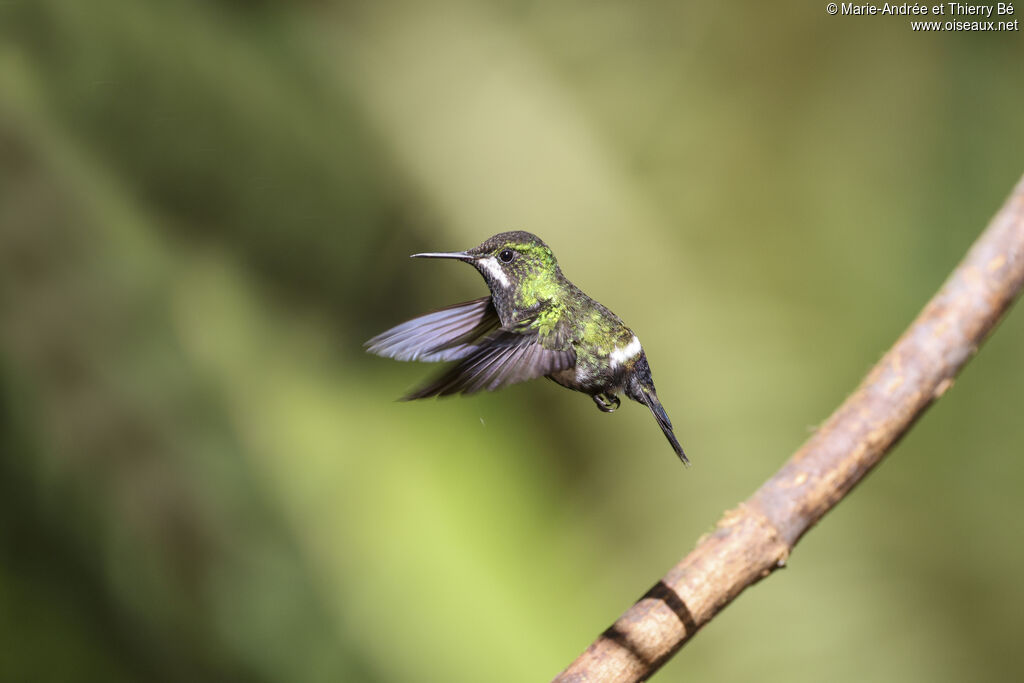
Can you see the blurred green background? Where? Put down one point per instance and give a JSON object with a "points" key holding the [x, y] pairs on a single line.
{"points": [[206, 207]]}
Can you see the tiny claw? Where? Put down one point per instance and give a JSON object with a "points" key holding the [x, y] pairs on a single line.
{"points": [[606, 403]]}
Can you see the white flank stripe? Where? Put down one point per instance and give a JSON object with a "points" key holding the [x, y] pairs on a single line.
{"points": [[491, 265], [621, 354]]}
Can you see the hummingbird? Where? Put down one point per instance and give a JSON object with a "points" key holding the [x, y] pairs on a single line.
{"points": [[535, 323]]}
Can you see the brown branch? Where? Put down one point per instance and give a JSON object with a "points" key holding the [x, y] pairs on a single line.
{"points": [[756, 538]]}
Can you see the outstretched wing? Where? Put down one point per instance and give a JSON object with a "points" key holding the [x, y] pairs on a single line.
{"points": [[502, 358], [449, 333]]}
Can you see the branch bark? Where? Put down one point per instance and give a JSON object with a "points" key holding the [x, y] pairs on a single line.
{"points": [[754, 539]]}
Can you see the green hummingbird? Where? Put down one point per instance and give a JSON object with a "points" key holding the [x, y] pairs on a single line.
{"points": [[535, 323]]}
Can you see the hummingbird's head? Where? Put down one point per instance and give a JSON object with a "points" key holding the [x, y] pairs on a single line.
{"points": [[519, 268], [514, 260]]}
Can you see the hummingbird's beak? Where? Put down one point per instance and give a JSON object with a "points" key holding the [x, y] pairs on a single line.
{"points": [[461, 255]]}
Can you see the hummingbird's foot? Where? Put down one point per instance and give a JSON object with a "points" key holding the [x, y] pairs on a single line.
{"points": [[606, 403]]}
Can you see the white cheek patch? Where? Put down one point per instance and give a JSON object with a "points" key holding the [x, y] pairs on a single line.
{"points": [[620, 354], [491, 265]]}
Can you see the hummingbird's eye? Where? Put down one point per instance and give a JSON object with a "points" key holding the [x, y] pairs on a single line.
{"points": [[507, 255]]}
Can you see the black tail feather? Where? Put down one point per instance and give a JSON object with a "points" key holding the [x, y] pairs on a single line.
{"points": [[640, 388], [651, 400]]}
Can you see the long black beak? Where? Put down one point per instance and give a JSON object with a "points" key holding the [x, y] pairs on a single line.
{"points": [[461, 255]]}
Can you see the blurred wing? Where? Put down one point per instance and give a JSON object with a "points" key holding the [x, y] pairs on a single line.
{"points": [[445, 334], [504, 358]]}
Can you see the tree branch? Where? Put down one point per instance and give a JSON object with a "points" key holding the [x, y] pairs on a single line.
{"points": [[756, 538]]}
